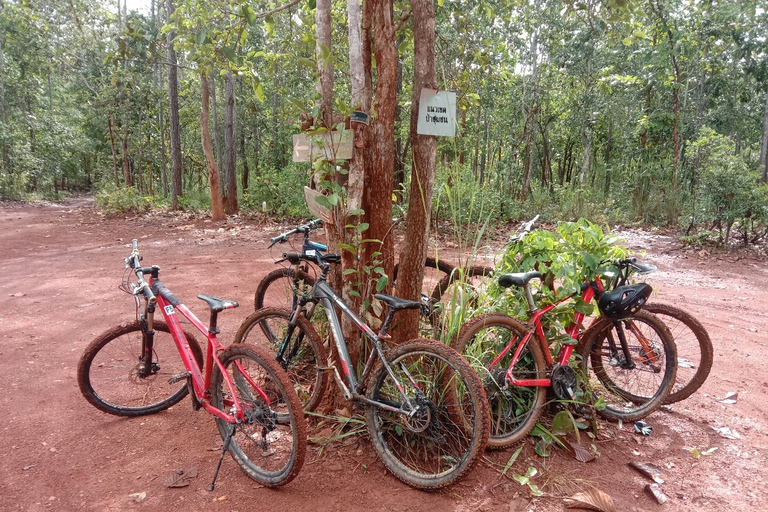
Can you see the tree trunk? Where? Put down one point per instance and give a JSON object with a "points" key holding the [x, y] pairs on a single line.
{"points": [[411, 263], [110, 125], [175, 132], [216, 131], [324, 61], [379, 178], [217, 208], [764, 143], [361, 100], [230, 197]]}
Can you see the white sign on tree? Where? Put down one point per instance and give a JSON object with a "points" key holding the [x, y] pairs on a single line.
{"points": [[437, 113]]}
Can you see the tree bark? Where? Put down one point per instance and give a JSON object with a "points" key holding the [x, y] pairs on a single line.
{"points": [[217, 208], [414, 253], [764, 143], [379, 178], [175, 132], [230, 197], [216, 131], [324, 64]]}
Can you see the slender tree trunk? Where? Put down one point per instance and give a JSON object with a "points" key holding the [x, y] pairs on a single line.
{"points": [[217, 208], [111, 126], [216, 131], [411, 263], [323, 51], [230, 198], [764, 143], [175, 131]]}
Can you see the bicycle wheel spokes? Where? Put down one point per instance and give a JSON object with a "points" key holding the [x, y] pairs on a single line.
{"points": [[632, 388], [514, 410], [270, 440], [304, 353], [110, 372], [443, 426]]}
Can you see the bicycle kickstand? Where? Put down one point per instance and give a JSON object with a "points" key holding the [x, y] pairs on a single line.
{"points": [[224, 449]]}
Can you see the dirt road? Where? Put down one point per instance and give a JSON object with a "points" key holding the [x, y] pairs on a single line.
{"points": [[59, 271]]}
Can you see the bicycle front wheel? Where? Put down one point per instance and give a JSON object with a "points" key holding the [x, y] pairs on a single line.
{"points": [[514, 409], [304, 354], [694, 349], [279, 289], [270, 442], [630, 388], [111, 371], [441, 425]]}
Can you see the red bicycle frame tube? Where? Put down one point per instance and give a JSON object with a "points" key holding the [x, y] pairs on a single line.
{"points": [[200, 382], [565, 352]]}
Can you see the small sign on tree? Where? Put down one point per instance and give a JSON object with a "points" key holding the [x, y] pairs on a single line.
{"points": [[437, 113]]}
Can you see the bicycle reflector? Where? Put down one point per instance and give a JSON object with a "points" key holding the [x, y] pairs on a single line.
{"points": [[624, 301]]}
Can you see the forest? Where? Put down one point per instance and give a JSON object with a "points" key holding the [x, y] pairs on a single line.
{"points": [[628, 111]]}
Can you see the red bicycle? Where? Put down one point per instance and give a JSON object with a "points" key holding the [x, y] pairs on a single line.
{"points": [[134, 369], [515, 363]]}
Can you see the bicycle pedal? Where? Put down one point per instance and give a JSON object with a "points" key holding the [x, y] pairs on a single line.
{"points": [[180, 377]]}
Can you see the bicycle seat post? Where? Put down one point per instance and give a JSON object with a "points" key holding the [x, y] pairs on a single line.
{"points": [[532, 307]]}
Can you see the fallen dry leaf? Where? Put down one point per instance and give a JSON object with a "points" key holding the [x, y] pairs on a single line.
{"points": [[181, 477], [652, 471], [593, 499]]}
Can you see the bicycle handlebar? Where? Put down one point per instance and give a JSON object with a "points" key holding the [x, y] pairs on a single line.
{"points": [[134, 262], [304, 228]]}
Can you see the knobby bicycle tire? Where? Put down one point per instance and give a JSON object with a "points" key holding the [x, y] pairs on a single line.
{"points": [[108, 373], [514, 410], [444, 439], [276, 289], [694, 349], [304, 357], [271, 442], [630, 393]]}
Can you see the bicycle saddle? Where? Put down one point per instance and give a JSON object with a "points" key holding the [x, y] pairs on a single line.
{"points": [[624, 301], [398, 303], [217, 304], [517, 279]]}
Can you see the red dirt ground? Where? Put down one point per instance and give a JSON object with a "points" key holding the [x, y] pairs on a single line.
{"points": [[59, 270]]}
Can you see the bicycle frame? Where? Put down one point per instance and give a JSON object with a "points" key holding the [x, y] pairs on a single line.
{"points": [[200, 377], [537, 330], [322, 292]]}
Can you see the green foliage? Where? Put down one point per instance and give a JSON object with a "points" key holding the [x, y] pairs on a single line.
{"points": [[728, 190], [117, 201], [282, 190]]}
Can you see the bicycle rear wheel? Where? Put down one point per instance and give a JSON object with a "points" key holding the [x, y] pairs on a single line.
{"points": [[514, 409], [110, 370], [631, 388], [304, 355], [442, 426], [694, 349], [279, 290], [270, 442]]}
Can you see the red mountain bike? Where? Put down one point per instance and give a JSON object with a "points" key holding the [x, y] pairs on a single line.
{"points": [[134, 369]]}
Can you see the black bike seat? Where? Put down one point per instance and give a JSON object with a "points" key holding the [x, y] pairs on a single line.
{"points": [[517, 279], [217, 304], [396, 303]]}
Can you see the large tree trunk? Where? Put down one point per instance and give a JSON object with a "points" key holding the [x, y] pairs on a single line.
{"points": [[175, 132], [411, 269], [230, 197], [361, 100], [379, 178], [217, 208]]}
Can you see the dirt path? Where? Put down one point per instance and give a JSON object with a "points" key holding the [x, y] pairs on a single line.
{"points": [[59, 271]]}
